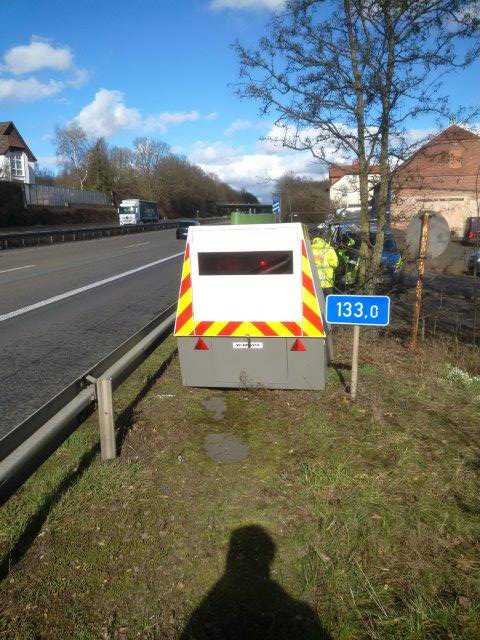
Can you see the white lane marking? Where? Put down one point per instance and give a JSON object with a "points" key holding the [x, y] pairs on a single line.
{"points": [[137, 244], [27, 266], [87, 287]]}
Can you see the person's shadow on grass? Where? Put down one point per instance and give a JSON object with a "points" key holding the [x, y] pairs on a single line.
{"points": [[246, 604]]}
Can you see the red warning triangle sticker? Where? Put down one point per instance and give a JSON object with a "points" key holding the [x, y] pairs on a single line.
{"points": [[201, 345], [298, 345]]}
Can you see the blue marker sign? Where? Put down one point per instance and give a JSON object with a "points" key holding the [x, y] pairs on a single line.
{"points": [[276, 206], [370, 311]]}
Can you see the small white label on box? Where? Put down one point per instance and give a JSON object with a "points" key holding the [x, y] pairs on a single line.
{"points": [[247, 345]]}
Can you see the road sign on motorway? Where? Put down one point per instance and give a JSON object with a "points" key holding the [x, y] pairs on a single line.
{"points": [[276, 206], [371, 311], [367, 311]]}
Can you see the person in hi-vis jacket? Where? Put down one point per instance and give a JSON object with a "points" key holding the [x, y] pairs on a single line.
{"points": [[326, 261]]}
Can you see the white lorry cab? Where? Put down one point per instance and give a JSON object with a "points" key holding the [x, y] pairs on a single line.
{"points": [[250, 309], [137, 212]]}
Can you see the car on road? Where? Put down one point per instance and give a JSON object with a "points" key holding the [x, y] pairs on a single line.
{"points": [[390, 254], [182, 229], [473, 265], [347, 237], [472, 231]]}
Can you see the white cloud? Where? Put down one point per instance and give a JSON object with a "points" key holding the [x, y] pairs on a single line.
{"points": [[271, 5], [162, 121], [211, 116], [238, 125], [80, 78], [213, 152], [35, 56], [108, 113], [27, 90], [256, 169]]}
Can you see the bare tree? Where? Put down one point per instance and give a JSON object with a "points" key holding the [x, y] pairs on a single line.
{"points": [[122, 158], [44, 175], [72, 147], [303, 199], [150, 170], [247, 197], [348, 78], [124, 175], [148, 153]]}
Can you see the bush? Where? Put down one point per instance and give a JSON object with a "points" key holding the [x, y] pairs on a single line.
{"points": [[11, 216], [73, 215], [11, 204]]}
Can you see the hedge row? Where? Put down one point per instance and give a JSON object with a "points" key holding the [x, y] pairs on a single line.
{"points": [[13, 213]]}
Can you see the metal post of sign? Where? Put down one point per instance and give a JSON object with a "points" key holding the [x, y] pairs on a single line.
{"points": [[354, 376], [422, 254], [357, 311]]}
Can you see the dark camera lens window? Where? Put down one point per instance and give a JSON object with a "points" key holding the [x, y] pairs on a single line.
{"points": [[244, 263]]}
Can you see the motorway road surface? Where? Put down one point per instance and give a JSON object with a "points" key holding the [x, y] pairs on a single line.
{"points": [[65, 306]]}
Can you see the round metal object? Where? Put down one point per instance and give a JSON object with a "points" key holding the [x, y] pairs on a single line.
{"points": [[438, 235]]}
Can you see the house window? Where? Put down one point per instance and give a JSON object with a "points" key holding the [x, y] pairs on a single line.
{"points": [[16, 165]]}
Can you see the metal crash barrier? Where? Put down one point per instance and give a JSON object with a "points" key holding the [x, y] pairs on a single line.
{"points": [[29, 444], [37, 238]]}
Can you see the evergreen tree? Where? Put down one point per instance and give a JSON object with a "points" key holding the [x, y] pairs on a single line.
{"points": [[100, 170]]}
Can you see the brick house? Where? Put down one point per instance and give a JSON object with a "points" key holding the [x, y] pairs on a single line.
{"points": [[17, 162], [345, 185], [442, 176]]}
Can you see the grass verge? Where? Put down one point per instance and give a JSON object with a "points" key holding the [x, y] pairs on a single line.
{"points": [[367, 515]]}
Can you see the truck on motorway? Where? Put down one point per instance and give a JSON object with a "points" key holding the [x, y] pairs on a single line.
{"points": [[138, 212]]}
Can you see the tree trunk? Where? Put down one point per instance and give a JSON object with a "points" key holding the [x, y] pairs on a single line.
{"points": [[365, 252], [383, 189], [364, 257]]}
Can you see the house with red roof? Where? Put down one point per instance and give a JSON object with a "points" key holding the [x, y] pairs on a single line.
{"points": [[442, 176], [345, 185]]}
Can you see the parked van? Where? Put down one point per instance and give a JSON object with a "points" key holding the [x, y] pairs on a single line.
{"points": [[138, 212]]}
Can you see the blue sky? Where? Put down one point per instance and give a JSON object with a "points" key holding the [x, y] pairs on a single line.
{"points": [[162, 68]]}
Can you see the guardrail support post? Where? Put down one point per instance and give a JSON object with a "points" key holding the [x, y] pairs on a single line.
{"points": [[105, 418]]}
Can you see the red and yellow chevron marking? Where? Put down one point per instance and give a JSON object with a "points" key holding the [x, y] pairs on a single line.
{"points": [[253, 329], [310, 327], [184, 323]]}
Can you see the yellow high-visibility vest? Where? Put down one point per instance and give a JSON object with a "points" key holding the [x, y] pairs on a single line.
{"points": [[326, 261]]}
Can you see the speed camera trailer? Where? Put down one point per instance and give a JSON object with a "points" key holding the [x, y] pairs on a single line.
{"points": [[250, 309]]}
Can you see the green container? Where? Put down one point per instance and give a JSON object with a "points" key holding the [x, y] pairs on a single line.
{"points": [[237, 217]]}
